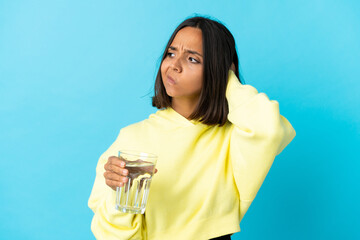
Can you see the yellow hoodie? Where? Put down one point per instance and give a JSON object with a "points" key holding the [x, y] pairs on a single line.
{"points": [[207, 175]]}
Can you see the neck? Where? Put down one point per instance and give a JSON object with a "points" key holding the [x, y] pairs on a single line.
{"points": [[185, 107]]}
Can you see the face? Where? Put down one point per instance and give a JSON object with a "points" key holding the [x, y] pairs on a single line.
{"points": [[182, 68]]}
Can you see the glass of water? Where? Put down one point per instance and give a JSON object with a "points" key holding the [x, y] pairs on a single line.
{"points": [[132, 197]]}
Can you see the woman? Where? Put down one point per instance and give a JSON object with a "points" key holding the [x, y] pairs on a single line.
{"points": [[215, 139]]}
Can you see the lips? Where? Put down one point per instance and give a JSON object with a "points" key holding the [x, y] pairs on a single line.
{"points": [[170, 80]]}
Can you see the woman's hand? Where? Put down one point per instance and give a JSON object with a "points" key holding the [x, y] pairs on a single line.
{"points": [[115, 172]]}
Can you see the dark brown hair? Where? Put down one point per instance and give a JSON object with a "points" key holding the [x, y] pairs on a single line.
{"points": [[219, 53]]}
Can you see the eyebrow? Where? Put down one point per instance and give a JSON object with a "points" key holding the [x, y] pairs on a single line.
{"points": [[186, 50]]}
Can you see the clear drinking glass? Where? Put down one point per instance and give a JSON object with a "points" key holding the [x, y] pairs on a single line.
{"points": [[132, 197]]}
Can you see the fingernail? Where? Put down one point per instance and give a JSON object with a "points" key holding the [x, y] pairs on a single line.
{"points": [[122, 164], [124, 172]]}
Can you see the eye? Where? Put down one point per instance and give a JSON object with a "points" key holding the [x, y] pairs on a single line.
{"points": [[193, 60], [170, 54]]}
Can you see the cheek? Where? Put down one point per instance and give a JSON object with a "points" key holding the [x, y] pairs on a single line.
{"points": [[199, 79], [199, 85], [163, 67]]}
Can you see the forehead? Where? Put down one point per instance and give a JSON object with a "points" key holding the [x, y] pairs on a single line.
{"points": [[188, 38]]}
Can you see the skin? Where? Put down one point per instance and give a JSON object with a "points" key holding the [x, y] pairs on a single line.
{"points": [[182, 74], [115, 172], [182, 70]]}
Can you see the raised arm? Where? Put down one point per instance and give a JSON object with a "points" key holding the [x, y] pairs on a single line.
{"points": [[259, 134]]}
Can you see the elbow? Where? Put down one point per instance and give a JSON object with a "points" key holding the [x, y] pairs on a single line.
{"points": [[278, 134], [282, 135], [273, 141], [277, 126], [274, 134]]}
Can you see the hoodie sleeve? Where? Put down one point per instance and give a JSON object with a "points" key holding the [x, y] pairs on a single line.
{"points": [[109, 223], [259, 134]]}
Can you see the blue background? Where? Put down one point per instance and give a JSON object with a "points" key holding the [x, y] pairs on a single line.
{"points": [[72, 73]]}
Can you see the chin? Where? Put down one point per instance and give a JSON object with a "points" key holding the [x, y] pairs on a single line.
{"points": [[170, 94]]}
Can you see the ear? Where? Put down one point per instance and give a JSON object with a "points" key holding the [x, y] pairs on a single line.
{"points": [[233, 67]]}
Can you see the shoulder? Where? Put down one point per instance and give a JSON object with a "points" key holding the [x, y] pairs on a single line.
{"points": [[140, 127], [135, 128], [140, 136]]}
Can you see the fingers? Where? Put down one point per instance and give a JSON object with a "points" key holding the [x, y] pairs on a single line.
{"points": [[115, 173], [116, 169], [116, 161], [116, 165], [115, 177], [114, 184], [115, 180]]}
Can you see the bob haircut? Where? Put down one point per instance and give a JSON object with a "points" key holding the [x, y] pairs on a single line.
{"points": [[219, 53]]}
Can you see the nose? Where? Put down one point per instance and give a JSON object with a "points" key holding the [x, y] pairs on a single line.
{"points": [[176, 64]]}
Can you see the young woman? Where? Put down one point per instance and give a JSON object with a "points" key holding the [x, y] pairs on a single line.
{"points": [[215, 139]]}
